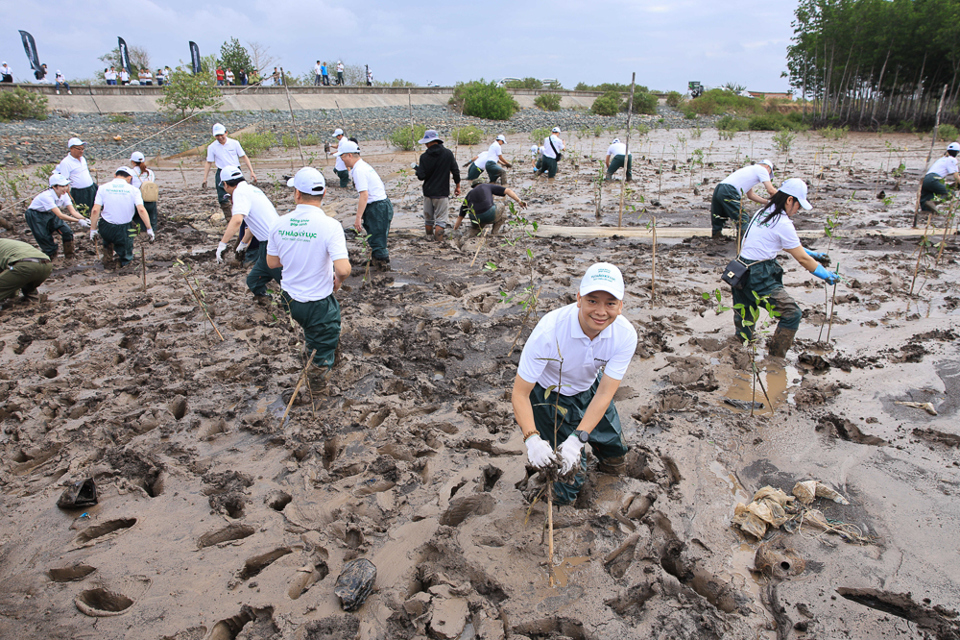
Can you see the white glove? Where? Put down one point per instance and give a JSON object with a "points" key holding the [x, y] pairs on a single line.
{"points": [[93, 234], [413, 165], [220, 249], [539, 452], [570, 451], [83, 222], [151, 235], [242, 247]]}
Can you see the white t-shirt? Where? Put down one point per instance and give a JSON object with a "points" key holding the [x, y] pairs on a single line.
{"points": [[617, 149], [109, 75], [124, 75], [139, 177], [765, 241], [60, 78], [317, 69], [118, 200], [338, 165], [481, 160], [560, 330], [46, 200], [339, 67], [307, 242], [943, 167], [747, 178], [548, 150], [365, 178], [225, 155], [259, 213], [75, 171], [494, 152]]}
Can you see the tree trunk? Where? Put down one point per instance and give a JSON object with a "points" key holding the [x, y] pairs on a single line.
{"points": [[873, 112]]}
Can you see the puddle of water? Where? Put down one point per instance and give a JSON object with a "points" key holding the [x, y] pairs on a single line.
{"points": [[778, 382], [275, 408], [741, 560], [438, 375], [561, 572]]}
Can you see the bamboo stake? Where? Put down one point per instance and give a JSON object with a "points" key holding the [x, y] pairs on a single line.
{"points": [[303, 375], [826, 300], [653, 266], [923, 242], [626, 159], [833, 305], [296, 129], [933, 142], [483, 237], [762, 388], [202, 306], [143, 265]]}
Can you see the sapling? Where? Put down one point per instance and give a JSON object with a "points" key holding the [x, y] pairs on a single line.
{"points": [[198, 294], [134, 232], [757, 331]]}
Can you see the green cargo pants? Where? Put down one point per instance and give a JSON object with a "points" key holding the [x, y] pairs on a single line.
{"points": [[617, 163], [320, 320], [43, 225], [765, 279], [933, 186], [119, 236], [376, 221], [726, 204], [261, 275]]}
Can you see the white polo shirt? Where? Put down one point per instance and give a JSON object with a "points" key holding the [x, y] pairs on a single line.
{"points": [[765, 241], [495, 151], [748, 177], [366, 179], [338, 165], [582, 357], [548, 150], [75, 171], [259, 213], [225, 155], [139, 177], [481, 160], [48, 199], [943, 167], [617, 149], [118, 200], [307, 242]]}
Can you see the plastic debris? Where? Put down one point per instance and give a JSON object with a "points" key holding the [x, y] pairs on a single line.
{"points": [[926, 406], [82, 493], [355, 583], [809, 490], [772, 507]]}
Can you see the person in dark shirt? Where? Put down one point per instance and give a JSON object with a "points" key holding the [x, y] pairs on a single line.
{"points": [[483, 210], [436, 166]]}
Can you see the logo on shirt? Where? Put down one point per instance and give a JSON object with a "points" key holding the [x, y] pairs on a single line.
{"points": [[601, 361], [296, 235]]}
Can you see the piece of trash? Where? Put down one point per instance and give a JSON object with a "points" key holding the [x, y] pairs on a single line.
{"points": [[82, 493], [355, 583], [85, 514], [926, 406], [743, 405], [768, 507], [808, 490]]}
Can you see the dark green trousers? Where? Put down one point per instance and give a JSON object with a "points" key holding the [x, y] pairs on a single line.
{"points": [[261, 275], [344, 178], [473, 172], [376, 222], [43, 224], [119, 236], [933, 186], [151, 208], [606, 439], [765, 279], [320, 320], [84, 197], [726, 204], [24, 277], [548, 166], [222, 195], [617, 163], [496, 172]]}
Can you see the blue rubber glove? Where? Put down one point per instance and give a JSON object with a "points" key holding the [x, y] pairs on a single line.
{"points": [[829, 276], [816, 255]]}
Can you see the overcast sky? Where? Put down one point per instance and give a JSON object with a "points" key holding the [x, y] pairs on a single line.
{"points": [[667, 42]]}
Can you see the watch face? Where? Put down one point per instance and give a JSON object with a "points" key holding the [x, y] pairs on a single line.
{"points": [[583, 435]]}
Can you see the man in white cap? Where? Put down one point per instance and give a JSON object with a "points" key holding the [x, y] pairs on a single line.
{"points": [[74, 168], [496, 161], [6, 73], [338, 167], [61, 81], [575, 359], [727, 195], [374, 209], [436, 166], [311, 249], [225, 152], [616, 157], [252, 206], [118, 201], [552, 146], [49, 212], [340, 73], [935, 181]]}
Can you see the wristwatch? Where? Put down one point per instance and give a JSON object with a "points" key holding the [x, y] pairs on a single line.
{"points": [[583, 436]]}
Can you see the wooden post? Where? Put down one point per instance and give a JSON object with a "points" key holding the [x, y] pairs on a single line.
{"points": [[626, 157], [296, 130]]}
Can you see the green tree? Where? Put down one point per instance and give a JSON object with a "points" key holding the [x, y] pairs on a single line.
{"points": [[608, 104], [187, 92], [484, 100], [235, 57]]}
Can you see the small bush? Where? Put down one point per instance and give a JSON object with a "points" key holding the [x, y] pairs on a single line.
{"points": [[468, 135], [947, 133], [731, 123], [643, 103], [403, 139], [256, 143], [21, 104], [120, 118], [548, 101], [484, 100], [526, 83], [834, 133], [608, 104], [765, 122], [783, 141], [539, 135], [674, 99], [718, 102], [310, 140]]}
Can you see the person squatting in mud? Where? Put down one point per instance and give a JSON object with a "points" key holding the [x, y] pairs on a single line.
{"points": [[250, 206], [48, 214], [726, 196], [581, 350], [934, 182], [770, 230], [484, 210]]}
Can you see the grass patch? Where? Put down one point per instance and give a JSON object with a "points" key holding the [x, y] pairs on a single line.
{"points": [[468, 135], [256, 143], [403, 139]]}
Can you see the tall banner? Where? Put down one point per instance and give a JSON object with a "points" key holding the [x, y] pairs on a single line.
{"points": [[30, 48], [195, 57], [124, 55]]}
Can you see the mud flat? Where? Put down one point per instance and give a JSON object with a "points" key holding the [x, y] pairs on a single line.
{"points": [[214, 523]]}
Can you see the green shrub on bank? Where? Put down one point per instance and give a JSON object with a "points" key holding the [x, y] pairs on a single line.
{"points": [[21, 104], [608, 104], [484, 100], [256, 143], [834, 133], [674, 99], [539, 135], [468, 135], [947, 133], [526, 83], [548, 101], [402, 138], [718, 102], [643, 102], [186, 92]]}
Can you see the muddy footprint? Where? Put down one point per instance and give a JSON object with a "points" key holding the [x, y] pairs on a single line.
{"points": [[230, 532], [96, 531]]}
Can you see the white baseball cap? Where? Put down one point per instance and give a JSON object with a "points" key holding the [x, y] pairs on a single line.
{"points": [[75, 142], [953, 146], [219, 129], [534, 148], [58, 180], [136, 156], [231, 172], [338, 132], [769, 163], [500, 138], [348, 147], [798, 189], [555, 130], [602, 276], [309, 181], [616, 141], [126, 170]]}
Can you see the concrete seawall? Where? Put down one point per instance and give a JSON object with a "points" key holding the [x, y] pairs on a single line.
{"points": [[137, 99]]}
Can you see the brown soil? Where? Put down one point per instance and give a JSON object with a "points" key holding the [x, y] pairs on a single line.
{"points": [[215, 523]]}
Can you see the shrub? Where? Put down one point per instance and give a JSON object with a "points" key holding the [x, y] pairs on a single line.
{"points": [[718, 102], [674, 99], [402, 138], [775, 121], [21, 104], [834, 133], [120, 118], [539, 135], [947, 133], [256, 143], [468, 135], [484, 100], [783, 141], [187, 92], [548, 101], [608, 104], [643, 103], [526, 83]]}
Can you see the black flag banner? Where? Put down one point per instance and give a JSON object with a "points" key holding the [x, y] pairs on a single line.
{"points": [[30, 48], [195, 56], [124, 55]]}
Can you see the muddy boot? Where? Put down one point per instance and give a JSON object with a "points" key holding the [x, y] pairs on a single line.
{"points": [[381, 265], [438, 234], [781, 342], [613, 466], [68, 249], [107, 258], [929, 206], [227, 209], [428, 231]]}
